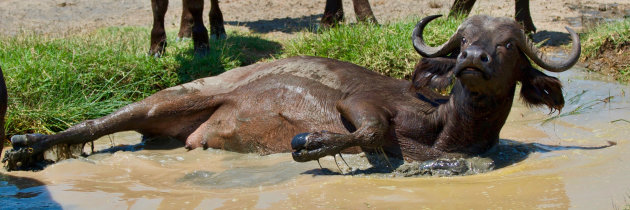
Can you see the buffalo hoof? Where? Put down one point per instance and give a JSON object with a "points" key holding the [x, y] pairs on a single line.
{"points": [[182, 39], [27, 153], [218, 36], [312, 146], [158, 49], [299, 141], [202, 50]]}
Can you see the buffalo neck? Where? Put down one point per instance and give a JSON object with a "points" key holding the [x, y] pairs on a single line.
{"points": [[471, 120]]}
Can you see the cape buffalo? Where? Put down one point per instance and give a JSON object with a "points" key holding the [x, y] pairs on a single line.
{"points": [[192, 21], [3, 107], [327, 105]]}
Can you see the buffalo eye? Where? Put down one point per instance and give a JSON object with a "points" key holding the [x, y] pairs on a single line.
{"points": [[508, 45], [463, 41]]}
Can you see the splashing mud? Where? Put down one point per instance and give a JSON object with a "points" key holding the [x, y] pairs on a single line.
{"points": [[536, 165]]}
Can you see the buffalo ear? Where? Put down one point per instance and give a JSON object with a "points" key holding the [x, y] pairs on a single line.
{"points": [[434, 73], [539, 89]]}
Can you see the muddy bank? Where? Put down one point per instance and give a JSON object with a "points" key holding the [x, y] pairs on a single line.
{"points": [[610, 60]]}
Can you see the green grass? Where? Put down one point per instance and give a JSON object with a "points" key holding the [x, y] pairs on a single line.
{"points": [[54, 83], [615, 34], [383, 48]]}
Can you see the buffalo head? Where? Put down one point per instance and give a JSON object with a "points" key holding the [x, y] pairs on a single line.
{"points": [[488, 55]]}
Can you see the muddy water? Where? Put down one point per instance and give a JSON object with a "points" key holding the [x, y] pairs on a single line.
{"points": [[553, 170]]}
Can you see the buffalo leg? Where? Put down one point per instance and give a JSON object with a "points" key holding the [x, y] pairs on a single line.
{"points": [[166, 113], [158, 34], [333, 13], [523, 15], [3, 107], [371, 125], [363, 11], [217, 31], [461, 8], [185, 26], [199, 31]]}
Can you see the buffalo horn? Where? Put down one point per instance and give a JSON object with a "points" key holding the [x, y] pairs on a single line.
{"points": [[428, 51], [528, 47]]}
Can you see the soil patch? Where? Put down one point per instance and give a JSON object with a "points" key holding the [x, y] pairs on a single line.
{"points": [[611, 60]]}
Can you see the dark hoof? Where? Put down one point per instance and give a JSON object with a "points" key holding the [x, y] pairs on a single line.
{"points": [[25, 140], [182, 39], [19, 140], [26, 154], [157, 50], [154, 54], [299, 141], [202, 51], [218, 36], [312, 146]]}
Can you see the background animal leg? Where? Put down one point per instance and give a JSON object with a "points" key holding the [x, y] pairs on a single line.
{"points": [[185, 26], [461, 8], [363, 11], [158, 35], [199, 31], [333, 13], [217, 31], [523, 16]]}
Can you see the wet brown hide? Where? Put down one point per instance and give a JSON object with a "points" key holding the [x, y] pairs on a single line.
{"points": [[335, 105]]}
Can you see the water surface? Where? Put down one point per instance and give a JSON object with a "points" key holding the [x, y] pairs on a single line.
{"points": [[553, 173]]}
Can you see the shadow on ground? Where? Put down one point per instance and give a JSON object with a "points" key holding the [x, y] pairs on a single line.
{"points": [[505, 153], [235, 51], [552, 38], [286, 25]]}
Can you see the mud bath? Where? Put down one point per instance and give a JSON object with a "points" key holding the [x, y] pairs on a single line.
{"points": [[549, 172], [545, 176]]}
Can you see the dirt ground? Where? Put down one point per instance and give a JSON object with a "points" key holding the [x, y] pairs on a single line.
{"points": [[277, 18]]}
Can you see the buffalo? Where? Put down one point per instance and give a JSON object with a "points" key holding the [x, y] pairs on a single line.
{"points": [[192, 21], [315, 107], [3, 107]]}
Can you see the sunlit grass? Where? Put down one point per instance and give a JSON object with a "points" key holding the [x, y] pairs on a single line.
{"points": [[56, 82], [613, 35], [383, 48]]}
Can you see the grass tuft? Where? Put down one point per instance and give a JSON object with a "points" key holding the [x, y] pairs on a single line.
{"points": [[386, 49], [55, 83], [616, 33], [606, 48]]}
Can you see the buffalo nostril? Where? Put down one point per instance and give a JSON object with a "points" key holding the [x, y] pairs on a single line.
{"points": [[484, 58], [463, 55]]}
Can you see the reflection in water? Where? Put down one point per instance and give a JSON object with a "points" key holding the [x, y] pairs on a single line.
{"points": [[536, 166], [15, 192]]}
